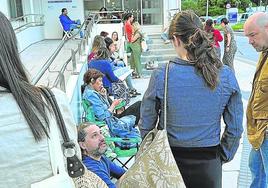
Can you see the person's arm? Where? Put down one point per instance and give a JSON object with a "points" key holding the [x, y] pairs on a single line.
{"points": [[109, 72], [114, 104], [136, 36], [65, 20], [100, 170], [228, 38], [149, 107], [233, 118], [218, 36]]}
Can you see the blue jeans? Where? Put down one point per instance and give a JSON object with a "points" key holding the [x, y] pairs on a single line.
{"points": [[164, 36], [258, 164], [77, 26]]}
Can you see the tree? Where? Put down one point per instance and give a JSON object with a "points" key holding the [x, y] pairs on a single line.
{"points": [[216, 7]]}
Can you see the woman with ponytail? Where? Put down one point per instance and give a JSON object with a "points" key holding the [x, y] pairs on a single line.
{"points": [[201, 91], [25, 119]]}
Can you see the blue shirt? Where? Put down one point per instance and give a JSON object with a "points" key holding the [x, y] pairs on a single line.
{"points": [[194, 111], [66, 22], [104, 168], [104, 66]]}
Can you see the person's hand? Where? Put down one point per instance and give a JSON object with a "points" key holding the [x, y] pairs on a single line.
{"points": [[103, 91], [116, 102], [227, 48]]}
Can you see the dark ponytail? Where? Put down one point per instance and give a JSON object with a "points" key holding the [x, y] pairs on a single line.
{"points": [[188, 28]]}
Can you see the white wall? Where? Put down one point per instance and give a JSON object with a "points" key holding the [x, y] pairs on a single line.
{"points": [[52, 12], [4, 8], [167, 5], [29, 36]]}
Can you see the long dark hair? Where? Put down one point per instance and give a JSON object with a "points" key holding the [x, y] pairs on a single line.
{"points": [[187, 27], [13, 77]]}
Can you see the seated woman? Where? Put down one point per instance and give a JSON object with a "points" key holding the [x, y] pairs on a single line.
{"points": [[95, 93], [117, 43], [111, 46], [98, 42], [119, 65], [103, 63]]}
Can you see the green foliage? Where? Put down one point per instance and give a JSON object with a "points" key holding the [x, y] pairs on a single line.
{"points": [[216, 7], [238, 26]]}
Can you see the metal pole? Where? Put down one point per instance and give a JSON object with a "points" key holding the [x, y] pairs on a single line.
{"points": [[207, 11], [73, 61], [79, 50], [62, 81]]}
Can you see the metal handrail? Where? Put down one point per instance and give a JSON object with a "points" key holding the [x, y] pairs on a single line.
{"points": [[27, 20], [98, 18], [60, 78], [53, 57]]}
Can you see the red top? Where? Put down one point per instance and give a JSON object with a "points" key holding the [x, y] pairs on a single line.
{"points": [[91, 56], [217, 37], [128, 31]]}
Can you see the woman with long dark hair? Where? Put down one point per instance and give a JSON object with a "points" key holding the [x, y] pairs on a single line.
{"points": [[200, 92], [25, 119]]}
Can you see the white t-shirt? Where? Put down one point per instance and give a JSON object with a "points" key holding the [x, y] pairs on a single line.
{"points": [[23, 160]]}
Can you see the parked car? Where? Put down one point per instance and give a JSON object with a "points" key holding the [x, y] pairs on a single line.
{"points": [[217, 20], [244, 17]]}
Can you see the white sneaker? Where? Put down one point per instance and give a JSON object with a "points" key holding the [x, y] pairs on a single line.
{"points": [[167, 42]]}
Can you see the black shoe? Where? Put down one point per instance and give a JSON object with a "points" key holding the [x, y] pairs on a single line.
{"points": [[134, 92], [132, 95]]}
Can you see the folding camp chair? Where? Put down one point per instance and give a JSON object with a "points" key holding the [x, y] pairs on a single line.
{"points": [[120, 152], [66, 34]]}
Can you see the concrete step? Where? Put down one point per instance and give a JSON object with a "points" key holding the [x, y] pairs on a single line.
{"points": [[160, 57], [156, 36], [157, 41], [159, 51], [149, 71], [160, 46]]}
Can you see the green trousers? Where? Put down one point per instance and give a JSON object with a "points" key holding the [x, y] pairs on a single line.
{"points": [[135, 58]]}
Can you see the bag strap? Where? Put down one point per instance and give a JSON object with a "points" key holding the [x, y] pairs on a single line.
{"points": [[165, 95], [74, 165]]}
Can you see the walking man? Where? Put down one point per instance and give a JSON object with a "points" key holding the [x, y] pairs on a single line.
{"points": [[256, 29]]}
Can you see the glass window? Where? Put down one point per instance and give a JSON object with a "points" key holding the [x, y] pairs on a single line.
{"points": [[16, 9], [152, 12], [113, 5], [93, 5], [133, 6]]}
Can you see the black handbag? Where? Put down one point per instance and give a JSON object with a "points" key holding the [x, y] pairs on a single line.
{"points": [[75, 167]]}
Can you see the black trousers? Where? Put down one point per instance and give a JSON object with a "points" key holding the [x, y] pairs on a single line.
{"points": [[199, 167], [133, 109]]}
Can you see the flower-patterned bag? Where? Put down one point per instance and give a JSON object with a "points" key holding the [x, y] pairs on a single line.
{"points": [[155, 166]]}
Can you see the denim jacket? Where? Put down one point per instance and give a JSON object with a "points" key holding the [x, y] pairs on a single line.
{"points": [[194, 111], [119, 127]]}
